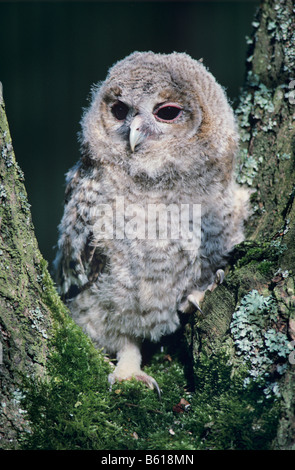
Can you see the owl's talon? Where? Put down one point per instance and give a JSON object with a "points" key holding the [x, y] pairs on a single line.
{"points": [[219, 276], [141, 377], [191, 303], [150, 382], [192, 300]]}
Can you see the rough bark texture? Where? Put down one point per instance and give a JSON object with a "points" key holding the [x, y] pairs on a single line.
{"points": [[266, 263], [25, 320], [23, 349]]}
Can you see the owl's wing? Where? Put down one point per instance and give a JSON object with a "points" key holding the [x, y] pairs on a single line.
{"points": [[79, 262], [77, 273]]}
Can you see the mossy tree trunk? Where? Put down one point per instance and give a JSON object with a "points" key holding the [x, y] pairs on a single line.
{"points": [[25, 314], [266, 261], [259, 285]]}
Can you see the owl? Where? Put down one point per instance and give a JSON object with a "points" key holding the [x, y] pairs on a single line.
{"points": [[152, 208]]}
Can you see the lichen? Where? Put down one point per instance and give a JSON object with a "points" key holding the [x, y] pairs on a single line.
{"points": [[259, 342], [256, 106], [248, 168]]}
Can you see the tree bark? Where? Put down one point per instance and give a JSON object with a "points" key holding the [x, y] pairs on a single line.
{"points": [[266, 262], [25, 318]]}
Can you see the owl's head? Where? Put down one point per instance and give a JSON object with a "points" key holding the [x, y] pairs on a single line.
{"points": [[156, 111]]}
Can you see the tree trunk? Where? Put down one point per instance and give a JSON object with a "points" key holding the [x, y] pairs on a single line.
{"points": [[266, 262], [26, 292], [242, 356]]}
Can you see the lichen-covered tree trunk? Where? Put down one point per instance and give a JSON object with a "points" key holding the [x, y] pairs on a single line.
{"points": [[259, 285], [22, 349], [25, 316], [24, 323]]}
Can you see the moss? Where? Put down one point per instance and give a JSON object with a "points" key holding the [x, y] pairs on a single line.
{"points": [[265, 267], [240, 417], [75, 409], [250, 251]]}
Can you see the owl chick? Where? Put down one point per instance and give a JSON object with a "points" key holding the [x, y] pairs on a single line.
{"points": [[158, 146]]}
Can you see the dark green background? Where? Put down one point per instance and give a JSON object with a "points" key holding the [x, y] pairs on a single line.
{"points": [[52, 52]]}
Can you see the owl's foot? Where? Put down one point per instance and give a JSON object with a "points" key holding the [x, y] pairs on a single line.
{"points": [[192, 302], [219, 277], [140, 376], [128, 367], [149, 381], [194, 299]]}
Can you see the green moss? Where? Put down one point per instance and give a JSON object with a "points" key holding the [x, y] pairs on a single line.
{"points": [[240, 417], [263, 257], [265, 267], [75, 409]]}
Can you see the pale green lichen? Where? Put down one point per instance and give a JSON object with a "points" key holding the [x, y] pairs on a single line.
{"points": [[3, 194], [248, 168], [284, 156], [37, 319], [254, 105], [258, 341], [7, 153]]}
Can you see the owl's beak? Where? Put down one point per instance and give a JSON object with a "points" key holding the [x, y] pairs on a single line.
{"points": [[136, 135]]}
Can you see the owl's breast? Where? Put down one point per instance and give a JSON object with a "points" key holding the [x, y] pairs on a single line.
{"points": [[160, 272]]}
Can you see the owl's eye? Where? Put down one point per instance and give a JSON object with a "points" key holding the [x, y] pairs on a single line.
{"points": [[120, 110], [168, 113]]}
